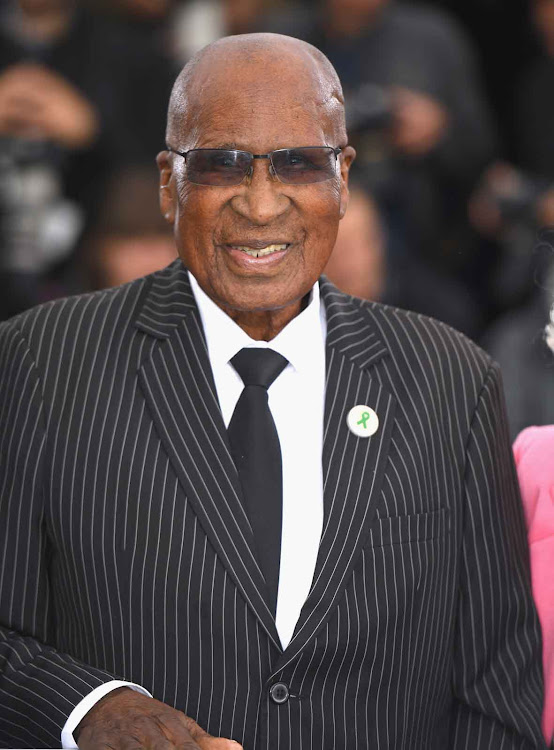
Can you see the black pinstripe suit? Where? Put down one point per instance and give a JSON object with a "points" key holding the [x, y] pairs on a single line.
{"points": [[125, 550]]}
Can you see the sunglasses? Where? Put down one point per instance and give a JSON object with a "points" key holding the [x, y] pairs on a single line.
{"points": [[226, 167]]}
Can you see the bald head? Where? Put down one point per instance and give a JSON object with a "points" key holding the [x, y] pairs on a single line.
{"points": [[262, 66]]}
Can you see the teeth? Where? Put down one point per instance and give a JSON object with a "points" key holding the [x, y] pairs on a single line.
{"points": [[260, 253]]}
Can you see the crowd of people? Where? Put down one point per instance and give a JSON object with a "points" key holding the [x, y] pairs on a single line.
{"points": [[453, 175], [451, 214]]}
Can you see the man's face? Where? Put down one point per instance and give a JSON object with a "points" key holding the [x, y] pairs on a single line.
{"points": [[256, 111]]}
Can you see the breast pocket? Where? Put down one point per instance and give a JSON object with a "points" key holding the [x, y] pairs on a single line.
{"points": [[409, 559], [418, 527]]}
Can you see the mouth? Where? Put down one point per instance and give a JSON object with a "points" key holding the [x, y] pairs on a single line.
{"points": [[261, 250]]}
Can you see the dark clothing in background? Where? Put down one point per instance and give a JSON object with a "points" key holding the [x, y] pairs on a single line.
{"points": [[414, 284], [423, 50], [423, 200], [517, 342], [117, 68], [535, 119]]}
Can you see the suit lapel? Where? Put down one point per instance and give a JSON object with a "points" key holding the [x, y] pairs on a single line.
{"points": [[180, 394], [181, 397], [353, 467]]}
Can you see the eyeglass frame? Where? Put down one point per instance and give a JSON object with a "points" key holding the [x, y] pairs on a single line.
{"points": [[336, 151]]}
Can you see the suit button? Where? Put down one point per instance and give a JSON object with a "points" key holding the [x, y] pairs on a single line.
{"points": [[279, 693]]}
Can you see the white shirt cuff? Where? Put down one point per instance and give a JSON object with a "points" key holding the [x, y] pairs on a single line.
{"points": [[82, 708]]}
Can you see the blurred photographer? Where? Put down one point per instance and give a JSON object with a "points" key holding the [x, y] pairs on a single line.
{"points": [[416, 116], [69, 85], [514, 200], [507, 207]]}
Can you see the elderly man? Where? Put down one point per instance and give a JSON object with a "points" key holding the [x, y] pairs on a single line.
{"points": [[288, 515]]}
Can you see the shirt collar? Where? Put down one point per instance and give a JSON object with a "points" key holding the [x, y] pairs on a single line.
{"points": [[298, 342]]}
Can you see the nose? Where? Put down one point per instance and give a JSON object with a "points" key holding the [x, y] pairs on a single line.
{"points": [[261, 197]]}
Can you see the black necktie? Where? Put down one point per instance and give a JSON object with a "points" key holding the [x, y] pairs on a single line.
{"points": [[257, 454]]}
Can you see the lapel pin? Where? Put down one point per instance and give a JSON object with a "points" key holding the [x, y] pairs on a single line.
{"points": [[362, 421]]}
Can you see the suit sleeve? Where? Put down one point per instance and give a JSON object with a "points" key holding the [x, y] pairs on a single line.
{"points": [[39, 686], [497, 661]]}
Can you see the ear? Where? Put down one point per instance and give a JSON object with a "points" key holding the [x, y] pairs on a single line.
{"points": [[167, 186], [347, 156]]}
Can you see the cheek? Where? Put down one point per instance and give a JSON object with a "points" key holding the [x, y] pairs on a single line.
{"points": [[335, 197], [324, 199], [324, 215], [198, 215]]}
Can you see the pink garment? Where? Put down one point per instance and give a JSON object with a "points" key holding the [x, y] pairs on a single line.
{"points": [[534, 454]]}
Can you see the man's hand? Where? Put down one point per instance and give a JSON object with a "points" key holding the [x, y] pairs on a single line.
{"points": [[38, 103], [127, 720], [420, 122]]}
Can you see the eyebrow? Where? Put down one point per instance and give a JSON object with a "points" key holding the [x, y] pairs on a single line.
{"points": [[230, 146]]}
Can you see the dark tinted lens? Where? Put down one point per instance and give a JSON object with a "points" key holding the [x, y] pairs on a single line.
{"points": [[301, 166], [217, 166]]}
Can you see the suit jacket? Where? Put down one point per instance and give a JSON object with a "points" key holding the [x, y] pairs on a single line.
{"points": [[126, 551]]}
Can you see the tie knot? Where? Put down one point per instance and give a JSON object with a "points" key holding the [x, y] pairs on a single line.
{"points": [[258, 366]]}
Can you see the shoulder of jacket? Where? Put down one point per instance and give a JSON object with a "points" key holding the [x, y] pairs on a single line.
{"points": [[80, 305], [400, 328]]}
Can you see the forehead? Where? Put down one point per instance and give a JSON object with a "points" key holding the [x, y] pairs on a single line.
{"points": [[260, 106]]}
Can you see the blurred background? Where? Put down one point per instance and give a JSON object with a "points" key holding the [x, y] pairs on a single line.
{"points": [[449, 105]]}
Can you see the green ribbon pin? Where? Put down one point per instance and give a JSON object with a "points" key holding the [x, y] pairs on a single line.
{"points": [[365, 417]]}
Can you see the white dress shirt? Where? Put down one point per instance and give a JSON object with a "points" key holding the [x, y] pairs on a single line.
{"points": [[296, 400]]}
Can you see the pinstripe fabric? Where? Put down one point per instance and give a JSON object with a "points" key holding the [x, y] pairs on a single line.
{"points": [[126, 552]]}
